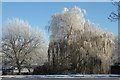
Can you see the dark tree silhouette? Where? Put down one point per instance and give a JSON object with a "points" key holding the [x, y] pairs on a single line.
{"points": [[114, 16]]}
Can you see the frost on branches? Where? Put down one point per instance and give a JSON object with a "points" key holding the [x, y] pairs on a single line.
{"points": [[23, 45], [116, 55], [78, 45]]}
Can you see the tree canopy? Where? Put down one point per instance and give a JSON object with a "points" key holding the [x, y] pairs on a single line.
{"points": [[77, 44], [22, 44]]}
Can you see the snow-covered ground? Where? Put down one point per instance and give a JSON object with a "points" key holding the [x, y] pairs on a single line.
{"points": [[63, 76]]}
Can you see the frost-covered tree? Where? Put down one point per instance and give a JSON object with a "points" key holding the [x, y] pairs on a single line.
{"points": [[78, 45], [22, 44], [0, 54], [116, 55]]}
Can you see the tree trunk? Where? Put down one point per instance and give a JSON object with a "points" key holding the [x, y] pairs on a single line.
{"points": [[19, 70], [29, 70]]}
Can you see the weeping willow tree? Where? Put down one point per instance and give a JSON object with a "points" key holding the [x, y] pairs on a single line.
{"points": [[78, 45]]}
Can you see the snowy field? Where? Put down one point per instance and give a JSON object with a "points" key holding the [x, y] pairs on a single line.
{"points": [[62, 77]]}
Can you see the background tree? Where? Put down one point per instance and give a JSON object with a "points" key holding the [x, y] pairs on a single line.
{"points": [[116, 55], [115, 15], [78, 45], [22, 44]]}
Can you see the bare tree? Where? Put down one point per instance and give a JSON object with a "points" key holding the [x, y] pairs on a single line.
{"points": [[115, 15], [22, 44]]}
